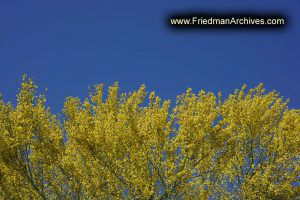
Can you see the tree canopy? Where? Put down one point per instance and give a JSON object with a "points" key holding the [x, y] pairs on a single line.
{"points": [[127, 147]]}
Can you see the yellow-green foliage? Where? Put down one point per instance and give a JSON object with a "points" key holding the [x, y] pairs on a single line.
{"points": [[243, 147]]}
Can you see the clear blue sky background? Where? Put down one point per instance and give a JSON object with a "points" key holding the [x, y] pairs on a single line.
{"points": [[68, 45]]}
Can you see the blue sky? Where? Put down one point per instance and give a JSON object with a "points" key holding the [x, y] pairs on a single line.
{"points": [[68, 45]]}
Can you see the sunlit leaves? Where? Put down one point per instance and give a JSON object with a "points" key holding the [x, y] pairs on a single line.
{"points": [[245, 146]]}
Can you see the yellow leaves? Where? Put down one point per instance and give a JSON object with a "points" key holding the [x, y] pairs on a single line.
{"points": [[244, 87], [19, 129], [97, 98], [71, 107], [119, 145]]}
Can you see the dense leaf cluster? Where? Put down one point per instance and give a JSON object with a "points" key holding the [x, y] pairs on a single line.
{"points": [[244, 147]]}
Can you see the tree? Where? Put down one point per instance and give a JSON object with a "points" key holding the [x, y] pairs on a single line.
{"points": [[244, 147]]}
